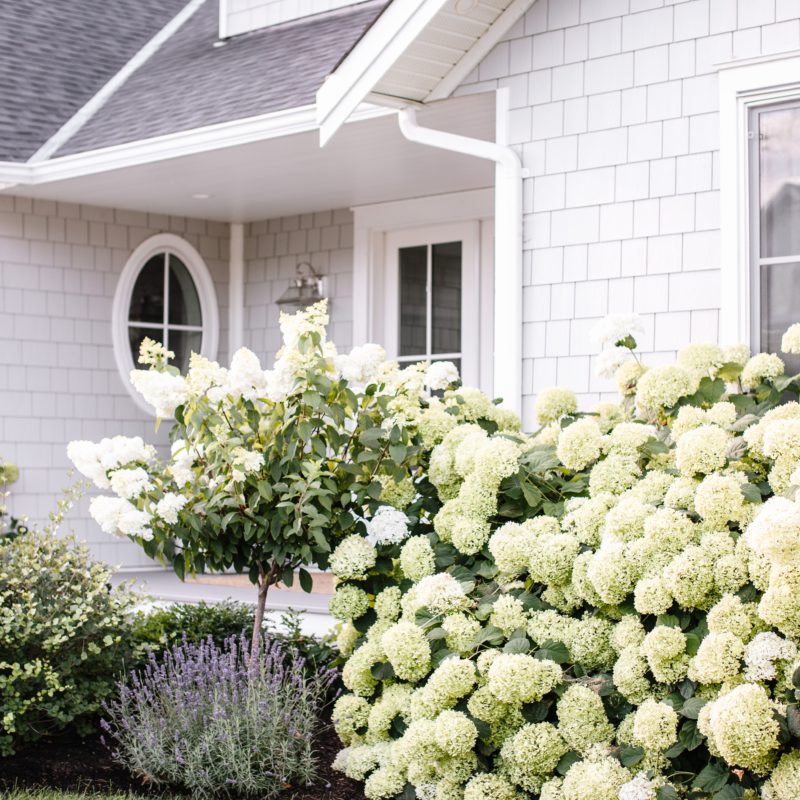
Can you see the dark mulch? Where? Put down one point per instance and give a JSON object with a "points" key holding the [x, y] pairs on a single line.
{"points": [[73, 764]]}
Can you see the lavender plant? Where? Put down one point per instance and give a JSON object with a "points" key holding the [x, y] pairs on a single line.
{"points": [[215, 722]]}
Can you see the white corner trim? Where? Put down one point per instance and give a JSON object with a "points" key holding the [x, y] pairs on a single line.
{"points": [[236, 289], [742, 86], [272, 125], [373, 55], [223, 19], [209, 308], [480, 50], [95, 103]]}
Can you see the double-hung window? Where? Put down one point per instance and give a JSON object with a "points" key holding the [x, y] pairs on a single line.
{"points": [[774, 134]]}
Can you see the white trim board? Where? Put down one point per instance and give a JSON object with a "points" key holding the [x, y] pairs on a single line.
{"points": [[272, 125], [742, 86]]}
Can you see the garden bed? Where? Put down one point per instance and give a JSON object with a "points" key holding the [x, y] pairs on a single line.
{"points": [[73, 764]]}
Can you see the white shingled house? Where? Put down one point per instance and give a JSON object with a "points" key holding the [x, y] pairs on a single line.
{"points": [[476, 180]]}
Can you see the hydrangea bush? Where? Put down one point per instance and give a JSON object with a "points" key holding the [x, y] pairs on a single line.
{"points": [[268, 468], [607, 609]]}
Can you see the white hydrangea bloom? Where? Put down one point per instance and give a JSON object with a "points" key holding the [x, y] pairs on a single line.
{"points": [[790, 343], [638, 788], [441, 375], [608, 362], [441, 593], [761, 654], [182, 461], [130, 483], [117, 516], [616, 327], [162, 390], [246, 378], [168, 507], [96, 459], [362, 366], [388, 525]]}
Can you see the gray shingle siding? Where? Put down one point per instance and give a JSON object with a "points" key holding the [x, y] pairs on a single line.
{"points": [[189, 83], [54, 56]]}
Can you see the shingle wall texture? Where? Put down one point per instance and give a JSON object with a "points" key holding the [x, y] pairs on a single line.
{"points": [[273, 250], [59, 267], [615, 113]]}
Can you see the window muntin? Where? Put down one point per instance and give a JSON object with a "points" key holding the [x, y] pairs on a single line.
{"points": [[430, 301], [165, 306], [775, 184]]}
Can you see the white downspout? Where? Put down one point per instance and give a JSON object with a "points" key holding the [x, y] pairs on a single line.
{"points": [[236, 289], [507, 373]]}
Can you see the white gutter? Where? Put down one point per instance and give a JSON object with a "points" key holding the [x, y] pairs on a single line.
{"points": [[236, 289], [507, 378]]}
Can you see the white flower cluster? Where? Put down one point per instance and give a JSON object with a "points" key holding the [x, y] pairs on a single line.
{"points": [[388, 525]]}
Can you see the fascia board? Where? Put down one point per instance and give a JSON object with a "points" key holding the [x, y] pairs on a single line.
{"points": [[374, 54], [173, 145]]}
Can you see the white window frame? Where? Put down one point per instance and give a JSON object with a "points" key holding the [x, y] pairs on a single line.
{"points": [[743, 86], [468, 234], [378, 231], [171, 244]]}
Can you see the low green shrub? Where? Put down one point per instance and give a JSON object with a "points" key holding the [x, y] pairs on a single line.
{"points": [[65, 635]]}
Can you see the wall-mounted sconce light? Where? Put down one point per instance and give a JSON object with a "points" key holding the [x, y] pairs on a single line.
{"points": [[306, 288]]}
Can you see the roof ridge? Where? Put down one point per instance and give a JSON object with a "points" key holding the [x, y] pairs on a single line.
{"points": [[101, 97]]}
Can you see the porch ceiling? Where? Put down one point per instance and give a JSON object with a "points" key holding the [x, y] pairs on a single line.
{"points": [[368, 162]]}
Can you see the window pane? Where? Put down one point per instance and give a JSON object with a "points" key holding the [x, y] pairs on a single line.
{"points": [[147, 299], [136, 335], [183, 344], [184, 304], [447, 297], [413, 299], [780, 308], [779, 159]]}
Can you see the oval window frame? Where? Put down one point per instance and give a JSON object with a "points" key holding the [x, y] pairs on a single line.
{"points": [[204, 284]]}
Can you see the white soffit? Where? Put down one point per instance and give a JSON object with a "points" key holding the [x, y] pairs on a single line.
{"points": [[417, 51]]}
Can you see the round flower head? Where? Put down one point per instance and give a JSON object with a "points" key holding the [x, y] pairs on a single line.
{"points": [[760, 368], [350, 715], [616, 329], [598, 779], [702, 359], [723, 414], [579, 444], [532, 754], [718, 659], [346, 639], [397, 493], [609, 361], [627, 377], [387, 603], [408, 651], [441, 594], [353, 558], [417, 558], [554, 403], [460, 631], [743, 728], [638, 788], [589, 642], [775, 531], [582, 719], [614, 475], [665, 650], [442, 375], [628, 632], [662, 387], [630, 675], [784, 783], [488, 786], [510, 546], [655, 726], [652, 595], [736, 354], [552, 557], [730, 615], [719, 499], [348, 602], [763, 653], [387, 526], [518, 678], [456, 733], [702, 450], [508, 614], [790, 343], [357, 672], [384, 783]]}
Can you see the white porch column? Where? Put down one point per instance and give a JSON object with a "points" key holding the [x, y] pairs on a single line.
{"points": [[236, 289]]}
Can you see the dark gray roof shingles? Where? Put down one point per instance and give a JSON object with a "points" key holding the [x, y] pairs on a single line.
{"points": [[56, 54], [189, 83]]}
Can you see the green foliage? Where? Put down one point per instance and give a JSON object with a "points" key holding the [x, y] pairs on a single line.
{"points": [[64, 637]]}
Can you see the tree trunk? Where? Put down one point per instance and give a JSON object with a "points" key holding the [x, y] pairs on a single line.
{"points": [[263, 588]]}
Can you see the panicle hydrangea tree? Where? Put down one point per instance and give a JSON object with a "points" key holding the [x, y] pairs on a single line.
{"points": [[605, 609], [268, 469]]}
